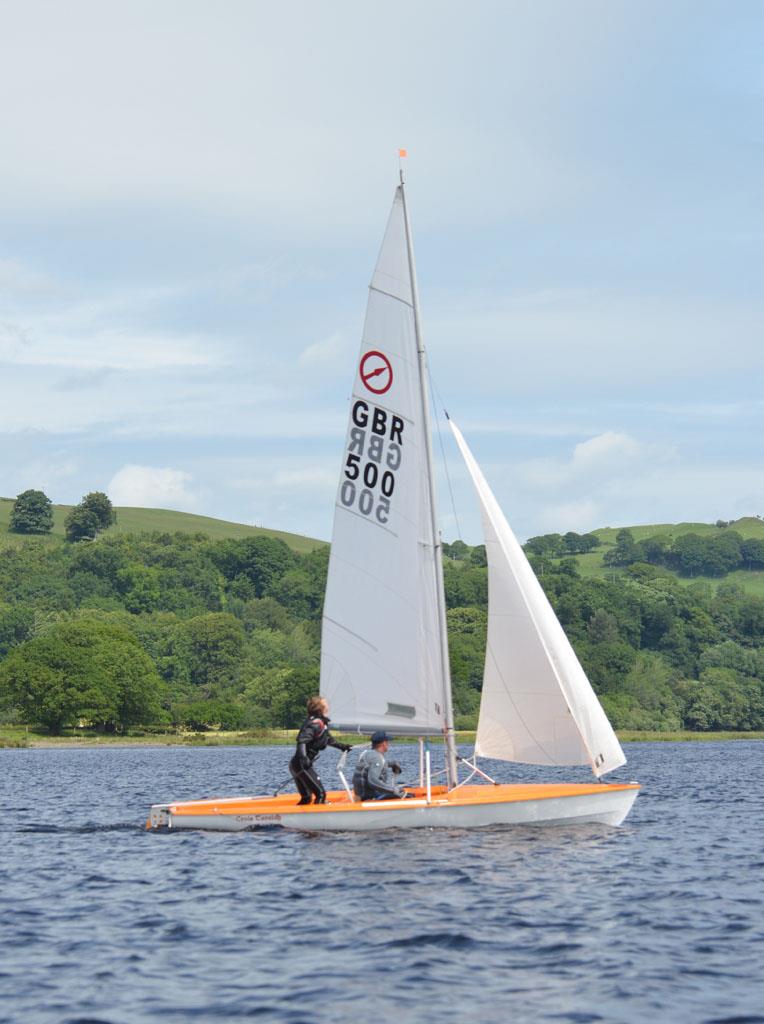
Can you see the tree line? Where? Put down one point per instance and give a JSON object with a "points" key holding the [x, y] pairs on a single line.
{"points": [[219, 634], [179, 631], [689, 554]]}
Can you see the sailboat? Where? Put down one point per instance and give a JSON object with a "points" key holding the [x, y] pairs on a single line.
{"points": [[384, 644]]}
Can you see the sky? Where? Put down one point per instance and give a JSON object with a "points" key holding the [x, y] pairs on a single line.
{"points": [[192, 196]]}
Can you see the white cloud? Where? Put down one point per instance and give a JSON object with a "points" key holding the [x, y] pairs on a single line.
{"points": [[123, 349], [669, 487], [536, 422], [52, 474], [579, 516], [608, 451], [109, 329], [16, 278], [325, 353], [292, 491], [15, 343], [313, 477], [152, 487], [310, 481], [596, 461]]}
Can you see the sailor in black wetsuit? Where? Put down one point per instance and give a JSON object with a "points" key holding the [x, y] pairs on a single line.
{"points": [[313, 737]]}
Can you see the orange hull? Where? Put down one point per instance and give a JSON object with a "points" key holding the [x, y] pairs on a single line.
{"points": [[467, 806]]}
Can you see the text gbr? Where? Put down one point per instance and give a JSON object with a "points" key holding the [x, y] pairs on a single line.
{"points": [[373, 457]]}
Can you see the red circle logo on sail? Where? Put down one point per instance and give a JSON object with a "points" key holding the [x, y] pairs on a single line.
{"points": [[376, 372]]}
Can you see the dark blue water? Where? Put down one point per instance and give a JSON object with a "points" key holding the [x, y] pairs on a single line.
{"points": [[100, 921]]}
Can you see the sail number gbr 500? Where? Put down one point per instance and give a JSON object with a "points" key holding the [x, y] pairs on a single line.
{"points": [[373, 457]]}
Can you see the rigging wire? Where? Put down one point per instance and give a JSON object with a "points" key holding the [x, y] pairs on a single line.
{"points": [[434, 391]]}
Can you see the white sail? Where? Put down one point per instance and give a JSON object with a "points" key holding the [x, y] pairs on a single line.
{"points": [[381, 653], [537, 705]]}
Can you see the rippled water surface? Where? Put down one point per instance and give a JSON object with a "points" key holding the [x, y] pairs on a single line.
{"points": [[100, 921]]}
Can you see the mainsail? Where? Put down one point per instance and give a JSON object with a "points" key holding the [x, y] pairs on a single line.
{"points": [[537, 705], [381, 647]]}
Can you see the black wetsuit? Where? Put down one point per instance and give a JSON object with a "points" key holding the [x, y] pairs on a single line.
{"points": [[313, 737]]}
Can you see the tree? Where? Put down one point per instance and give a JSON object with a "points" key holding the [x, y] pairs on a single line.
{"points": [[569, 567], [588, 542], [625, 551], [607, 663], [750, 619], [32, 512], [265, 613], [216, 642], [478, 556], [81, 524], [459, 551], [466, 643], [549, 544], [87, 669], [688, 553], [300, 591], [728, 654], [602, 627], [465, 585], [277, 696], [579, 544], [645, 698], [99, 504], [201, 715], [93, 514], [140, 585], [722, 699], [255, 562], [723, 554], [752, 553], [654, 549], [656, 617]]}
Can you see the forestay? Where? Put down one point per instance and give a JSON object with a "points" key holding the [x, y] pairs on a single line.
{"points": [[381, 664], [537, 705]]}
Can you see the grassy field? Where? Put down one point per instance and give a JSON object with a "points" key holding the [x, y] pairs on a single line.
{"points": [[644, 736], [748, 526], [144, 520], [753, 582], [21, 736]]}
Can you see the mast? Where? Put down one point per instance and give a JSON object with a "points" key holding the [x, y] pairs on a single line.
{"points": [[448, 736]]}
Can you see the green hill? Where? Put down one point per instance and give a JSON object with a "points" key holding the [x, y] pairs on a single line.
{"points": [[749, 527], [178, 620], [149, 520]]}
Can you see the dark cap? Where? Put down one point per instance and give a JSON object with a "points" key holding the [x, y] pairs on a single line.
{"points": [[379, 737]]}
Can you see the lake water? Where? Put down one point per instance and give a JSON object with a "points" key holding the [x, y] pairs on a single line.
{"points": [[660, 920]]}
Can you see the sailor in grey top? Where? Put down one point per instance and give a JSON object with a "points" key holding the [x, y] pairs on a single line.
{"points": [[370, 778]]}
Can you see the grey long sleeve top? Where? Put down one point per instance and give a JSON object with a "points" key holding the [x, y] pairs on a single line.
{"points": [[371, 773]]}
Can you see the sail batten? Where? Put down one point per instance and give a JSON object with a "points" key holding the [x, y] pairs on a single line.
{"points": [[390, 295], [537, 705]]}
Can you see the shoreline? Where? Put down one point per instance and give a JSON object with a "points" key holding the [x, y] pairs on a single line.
{"points": [[19, 739]]}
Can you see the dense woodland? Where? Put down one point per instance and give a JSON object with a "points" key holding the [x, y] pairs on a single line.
{"points": [[179, 630]]}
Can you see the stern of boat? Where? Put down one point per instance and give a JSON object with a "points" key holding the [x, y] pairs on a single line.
{"points": [[159, 816]]}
